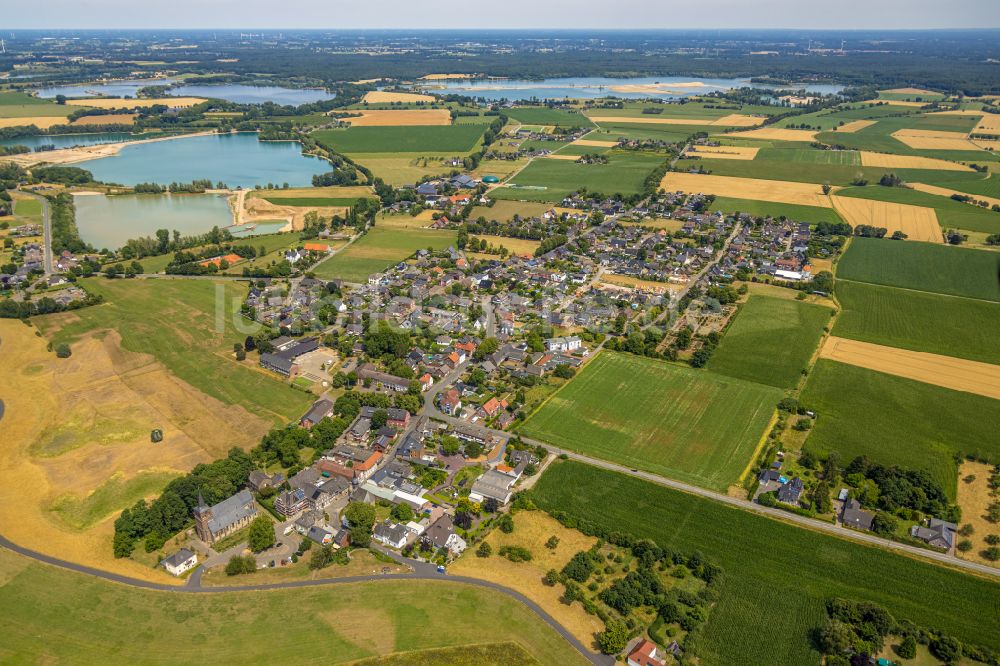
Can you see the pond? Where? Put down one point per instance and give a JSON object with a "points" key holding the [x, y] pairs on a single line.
{"points": [[124, 88], [238, 160], [109, 221], [593, 87], [244, 94]]}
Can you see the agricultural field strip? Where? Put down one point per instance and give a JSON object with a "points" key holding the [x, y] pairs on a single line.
{"points": [[917, 222], [946, 371]]}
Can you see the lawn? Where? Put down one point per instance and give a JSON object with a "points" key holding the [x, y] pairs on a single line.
{"points": [[951, 214], [175, 321], [777, 576], [811, 156], [898, 421], [770, 341], [504, 211], [456, 139], [810, 214], [44, 608], [948, 325], [546, 117], [552, 180], [687, 424], [922, 266], [378, 249], [987, 187], [28, 207], [109, 498]]}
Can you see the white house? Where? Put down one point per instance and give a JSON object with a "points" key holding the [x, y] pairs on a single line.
{"points": [[563, 344], [391, 534], [181, 561]]}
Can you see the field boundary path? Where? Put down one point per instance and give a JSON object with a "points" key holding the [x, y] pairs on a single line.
{"points": [[421, 571]]}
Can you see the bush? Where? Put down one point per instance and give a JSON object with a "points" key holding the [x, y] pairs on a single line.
{"points": [[484, 550], [551, 577], [241, 564], [552, 542], [614, 638], [907, 649], [946, 648], [516, 553], [63, 351], [506, 523]]}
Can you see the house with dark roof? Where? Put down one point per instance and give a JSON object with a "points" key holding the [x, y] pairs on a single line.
{"points": [[854, 516], [231, 514], [791, 492], [937, 533], [320, 409], [442, 535], [391, 534]]}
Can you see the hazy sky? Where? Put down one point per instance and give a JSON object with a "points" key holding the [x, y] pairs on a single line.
{"points": [[505, 14]]}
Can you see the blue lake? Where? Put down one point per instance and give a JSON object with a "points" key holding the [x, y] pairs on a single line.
{"points": [[69, 140], [238, 160], [244, 94], [593, 87]]}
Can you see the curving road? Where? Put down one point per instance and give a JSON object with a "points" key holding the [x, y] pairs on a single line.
{"points": [[421, 571]]}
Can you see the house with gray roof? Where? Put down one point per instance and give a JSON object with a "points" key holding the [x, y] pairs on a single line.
{"points": [[230, 515], [938, 533]]}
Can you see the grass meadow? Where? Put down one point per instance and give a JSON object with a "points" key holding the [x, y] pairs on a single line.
{"points": [[378, 249], [987, 187], [44, 608], [687, 424], [922, 266], [948, 325], [623, 174], [174, 320], [951, 214], [777, 576], [810, 214], [770, 341], [456, 139], [898, 421], [544, 116]]}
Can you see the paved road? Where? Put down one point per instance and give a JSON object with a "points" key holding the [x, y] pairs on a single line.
{"points": [[421, 571], [46, 231]]}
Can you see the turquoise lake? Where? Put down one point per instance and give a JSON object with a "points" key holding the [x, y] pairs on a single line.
{"points": [[244, 94], [107, 222], [238, 160]]}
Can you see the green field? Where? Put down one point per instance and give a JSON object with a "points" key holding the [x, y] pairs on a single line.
{"points": [[270, 242], [28, 207], [544, 116], [378, 249], [687, 424], [490, 654], [951, 214], [810, 214], [109, 498], [898, 421], [175, 321], [878, 137], [456, 139], [811, 156], [949, 325], [987, 187], [9, 98], [53, 615], [624, 174], [770, 341], [922, 266], [777, 576]]}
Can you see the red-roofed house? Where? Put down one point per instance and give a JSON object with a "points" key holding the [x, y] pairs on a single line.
{"points": [[426, 381], [492, 407], [644, 654], [316, 247], [451, 402]]}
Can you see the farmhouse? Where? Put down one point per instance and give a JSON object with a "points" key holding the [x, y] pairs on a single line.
{"points": [[181, 561], [644, 654], [382, 380], [494, 484], [216, 522], [320, 410], [937, 533], [854, 516]]}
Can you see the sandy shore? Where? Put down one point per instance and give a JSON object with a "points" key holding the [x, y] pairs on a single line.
{"points": [[84, 153]]}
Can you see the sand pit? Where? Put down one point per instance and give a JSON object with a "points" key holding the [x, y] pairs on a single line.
{"points": [[71, 426], [110, 119], [953, 373], [738, 120], [649, 120], [855, 125], [41, 122], [888, 161], [401, 118], [778, 191], [594, 143], [382, 97], [934, 140], [947, 192], [112, 103], [724, 152], [917, 222], [776, 134]]}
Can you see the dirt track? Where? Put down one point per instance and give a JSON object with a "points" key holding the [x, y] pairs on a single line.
{"points": [[957, 374]]}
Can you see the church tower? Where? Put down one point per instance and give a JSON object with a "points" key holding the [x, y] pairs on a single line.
{"points": [[202, 514]]}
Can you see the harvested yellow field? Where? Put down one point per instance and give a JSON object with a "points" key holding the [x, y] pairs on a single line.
{"points": [[778, 191], [855, 125], [649, 120], [382, 97], [520, 246], [531, 530], [724, 152], [79, 425], [897, 102], [594, 143], [948, 192], [407, 117], [738, 120], [888, 161], [974, 498], [934, 140], [917, 222], [910, 91], [110, 119], [568, 158], [111, 103], [957, 374], [776, 134], [990, 124], [41, 122]]}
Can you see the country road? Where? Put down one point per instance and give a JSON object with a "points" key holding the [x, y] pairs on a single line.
{"points": [[421, 571]]}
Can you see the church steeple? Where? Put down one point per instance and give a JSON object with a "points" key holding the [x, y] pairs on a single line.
{"points": [[202, 515]]}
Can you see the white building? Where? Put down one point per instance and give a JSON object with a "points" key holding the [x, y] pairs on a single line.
{"points": [[181, 561], [563, 344]]}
